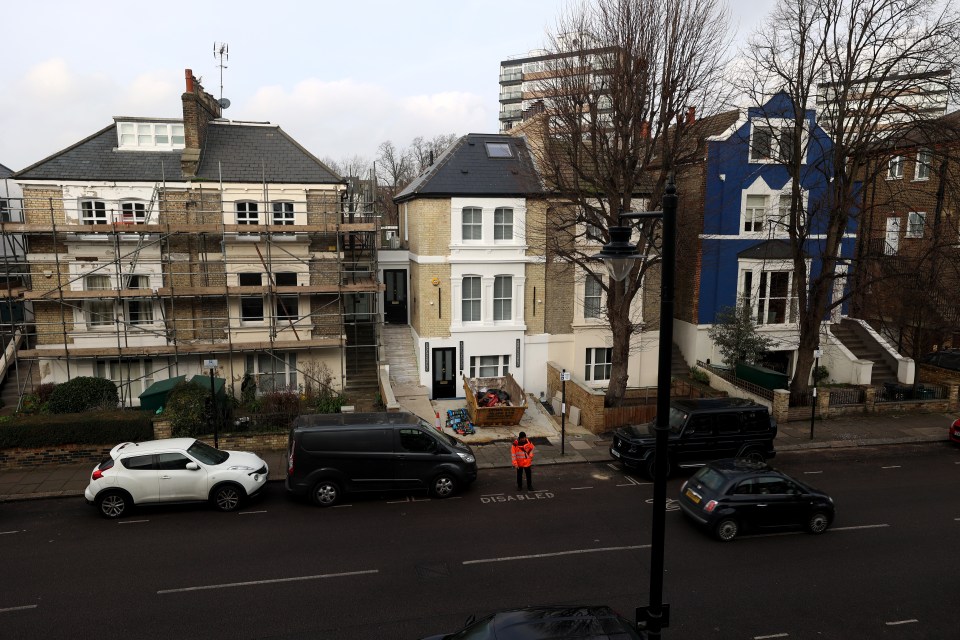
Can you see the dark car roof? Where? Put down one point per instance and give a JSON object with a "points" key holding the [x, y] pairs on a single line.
{"points": [[544, 623], [713, 404], [354, 419], [945, 358], [741, 466]]}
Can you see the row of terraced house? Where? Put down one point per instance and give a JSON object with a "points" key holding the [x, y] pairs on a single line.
{"points": [[155, 245]]}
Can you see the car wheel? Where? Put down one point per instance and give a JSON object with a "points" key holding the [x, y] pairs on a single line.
{"points": [[113, 504], [754, 455], [652, 466], [443, 486], [727, 529], [818, 522], [325, 493], [227, 497]]}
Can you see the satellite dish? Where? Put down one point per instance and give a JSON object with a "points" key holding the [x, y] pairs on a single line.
{"points": [[223, 102]]}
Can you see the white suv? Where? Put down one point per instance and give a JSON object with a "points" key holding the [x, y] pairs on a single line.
{"points": [[173, 470]]}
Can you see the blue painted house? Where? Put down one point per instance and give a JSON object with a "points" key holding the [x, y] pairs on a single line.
{"points": [[733, 219]]}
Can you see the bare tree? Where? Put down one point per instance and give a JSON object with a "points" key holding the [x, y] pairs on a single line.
{"points": [[394, 171], [617, 98], [861, 63], [423, 152]]}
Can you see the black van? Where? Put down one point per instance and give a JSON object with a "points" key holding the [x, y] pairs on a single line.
{"points": [[332, 454], [701, 431]]}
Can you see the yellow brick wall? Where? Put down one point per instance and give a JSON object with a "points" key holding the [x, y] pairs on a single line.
{"points": [[430, 303], [429, 226]]}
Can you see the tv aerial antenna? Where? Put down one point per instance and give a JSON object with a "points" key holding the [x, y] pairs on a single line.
{"points": [[221, 50]]}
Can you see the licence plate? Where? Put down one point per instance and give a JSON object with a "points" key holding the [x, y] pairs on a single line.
{"points": [[693, 497], [615, 453]]}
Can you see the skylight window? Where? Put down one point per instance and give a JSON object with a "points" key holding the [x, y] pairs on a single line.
{"points": [[499, 150]]}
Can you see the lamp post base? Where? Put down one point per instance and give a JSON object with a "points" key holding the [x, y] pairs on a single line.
{"points": [[645, 616]]}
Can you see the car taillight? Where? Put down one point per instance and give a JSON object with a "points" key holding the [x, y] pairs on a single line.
{"points": [[710, 506], [290, 463], [97, 474]]}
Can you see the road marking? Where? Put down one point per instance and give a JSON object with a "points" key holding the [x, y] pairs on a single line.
{"points": [[774, 635], [896, 622], [3, 533], [246, 513], [810, 473], [893, 466], [633, 482], [579, 488], [555, 553], [274, 581], [28, 606], [862, 526], [670, 505], [132, 521], [341, 505]]}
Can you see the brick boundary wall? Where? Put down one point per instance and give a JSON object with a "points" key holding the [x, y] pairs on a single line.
{"points": [[27, 458]]}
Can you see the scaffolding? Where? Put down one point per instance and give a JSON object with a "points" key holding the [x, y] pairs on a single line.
{"points": [[142, 289]]}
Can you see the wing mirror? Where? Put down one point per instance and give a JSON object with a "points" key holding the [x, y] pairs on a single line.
{"points": [[193, 466]]}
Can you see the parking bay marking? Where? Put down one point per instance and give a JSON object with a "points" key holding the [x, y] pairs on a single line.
{"points": [[273, 581], [132, 521], [775, 635], [896, 622], [247, 513], [492, 498], [555, 553], [893, 466], [3, 533], [27, 606]]}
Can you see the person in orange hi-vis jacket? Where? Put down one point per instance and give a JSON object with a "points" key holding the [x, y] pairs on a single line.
{"points": [[522, 455]]}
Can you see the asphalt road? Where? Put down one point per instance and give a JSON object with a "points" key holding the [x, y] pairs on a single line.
{"points": [[405, 567]]}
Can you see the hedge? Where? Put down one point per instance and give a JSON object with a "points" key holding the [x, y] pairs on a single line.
{"points": [[82, 394], [49, 430]]}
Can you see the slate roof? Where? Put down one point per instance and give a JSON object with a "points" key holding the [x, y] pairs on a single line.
{"points": [[244, 153], [5, 172], [769, 250], [96, 158], [255, 153], [464, 169]]}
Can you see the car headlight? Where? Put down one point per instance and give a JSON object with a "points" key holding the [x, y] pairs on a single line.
{"points": [[466, 457]]}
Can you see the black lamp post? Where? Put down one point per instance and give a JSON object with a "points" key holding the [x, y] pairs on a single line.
{"points": [[619, 256]]}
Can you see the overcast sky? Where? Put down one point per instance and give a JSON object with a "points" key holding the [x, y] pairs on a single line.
{"points": [[340, 77]]}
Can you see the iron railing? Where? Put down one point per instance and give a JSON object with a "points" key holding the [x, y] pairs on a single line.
{"points": [[731, 377]]}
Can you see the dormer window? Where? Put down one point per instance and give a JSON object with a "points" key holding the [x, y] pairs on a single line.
{"points": [[150, 135]]}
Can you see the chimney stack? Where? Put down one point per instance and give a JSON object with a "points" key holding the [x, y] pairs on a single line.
{"points": [[691, 115], [199, 108]]}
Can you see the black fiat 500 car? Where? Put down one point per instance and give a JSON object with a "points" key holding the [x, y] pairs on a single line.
{"points": [[728, 496]]}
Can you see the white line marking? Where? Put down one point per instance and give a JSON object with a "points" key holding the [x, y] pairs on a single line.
{"points": [[490, 495], [556, 553], [29, 606], [893, 466], [613, 466], [862, 526], [775, 635], [3, 533], [340, 506], [896, 622], [810, 473], [579, 488], [246, 513], [274, 581], [132, 521]]}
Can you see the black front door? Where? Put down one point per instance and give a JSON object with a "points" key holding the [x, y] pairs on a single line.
{"points": [[395, 296], [444, 376]]}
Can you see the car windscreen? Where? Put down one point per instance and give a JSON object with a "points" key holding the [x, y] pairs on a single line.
{"points": [[677, 418], [207, 454], [709, 478]]}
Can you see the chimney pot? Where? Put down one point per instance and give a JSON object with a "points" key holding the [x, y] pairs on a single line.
{"points": [[691, 115], [188, 73]]}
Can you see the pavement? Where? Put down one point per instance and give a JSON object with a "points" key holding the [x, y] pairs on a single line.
{"points": [[491, 445]]}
